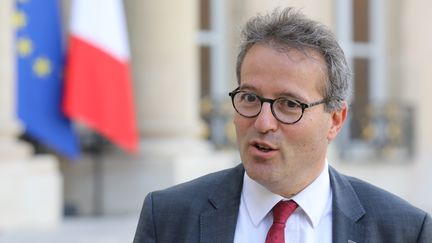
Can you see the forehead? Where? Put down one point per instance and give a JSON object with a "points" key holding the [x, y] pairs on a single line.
{"points": [[284, 70]]}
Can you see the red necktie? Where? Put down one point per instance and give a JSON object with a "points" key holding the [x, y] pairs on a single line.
{"points": [[281, 212]]}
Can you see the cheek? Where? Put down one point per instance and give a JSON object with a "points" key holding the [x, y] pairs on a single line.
{"points": [[239, 127], [323, 128], [241, 123], [303, 136], [295, 132], [313, 137], [293, 139]]}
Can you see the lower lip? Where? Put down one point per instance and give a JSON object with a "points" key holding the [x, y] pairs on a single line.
{"points": [[254, 151]]}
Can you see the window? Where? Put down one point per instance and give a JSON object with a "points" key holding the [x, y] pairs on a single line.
{"points": [[376, 125]]}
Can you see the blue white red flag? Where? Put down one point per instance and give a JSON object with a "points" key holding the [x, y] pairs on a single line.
{"points": [[98, 83]]}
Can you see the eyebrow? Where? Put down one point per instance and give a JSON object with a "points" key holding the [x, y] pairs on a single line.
{"points": [[285, 94]]}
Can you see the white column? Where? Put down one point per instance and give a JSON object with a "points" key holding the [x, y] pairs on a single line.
{"points": [[30, 187], [165, 70]]}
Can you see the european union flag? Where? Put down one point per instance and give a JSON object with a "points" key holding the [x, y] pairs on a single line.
{"points": [[40, 62]]}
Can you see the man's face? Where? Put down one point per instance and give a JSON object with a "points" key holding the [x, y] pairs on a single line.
{"points": [[293, 155]]}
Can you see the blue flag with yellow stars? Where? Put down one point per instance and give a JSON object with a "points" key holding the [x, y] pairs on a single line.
{"points": [[40, 63]]}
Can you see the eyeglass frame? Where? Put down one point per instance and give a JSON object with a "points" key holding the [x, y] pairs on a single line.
{"points": [[263, 100]]}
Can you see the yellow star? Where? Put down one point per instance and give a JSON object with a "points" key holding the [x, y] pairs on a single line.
{"points": [[42, 67], [24, 46], [19, 19]]}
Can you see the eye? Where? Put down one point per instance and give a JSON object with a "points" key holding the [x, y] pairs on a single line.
{"points": [[290, 104], [286, 105], [248, 97]]}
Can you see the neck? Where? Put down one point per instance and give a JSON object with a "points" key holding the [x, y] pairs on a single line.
{"points": [[295, 184]]}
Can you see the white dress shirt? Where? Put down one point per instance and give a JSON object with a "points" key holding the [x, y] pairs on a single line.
{"points": [[310, 222]]}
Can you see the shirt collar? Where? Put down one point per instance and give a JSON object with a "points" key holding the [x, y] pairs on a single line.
{"points": [[312, 200]]}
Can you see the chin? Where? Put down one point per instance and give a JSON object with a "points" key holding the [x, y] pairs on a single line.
{"points": [[257, 170]]}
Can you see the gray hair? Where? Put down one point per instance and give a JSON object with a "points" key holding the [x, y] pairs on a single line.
{"points": [[288, 28]]}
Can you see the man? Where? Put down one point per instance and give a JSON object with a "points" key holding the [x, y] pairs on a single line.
{"points": [[291, 103]]}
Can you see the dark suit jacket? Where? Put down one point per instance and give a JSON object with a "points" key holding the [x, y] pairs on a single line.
{"points": [[206, 209]]}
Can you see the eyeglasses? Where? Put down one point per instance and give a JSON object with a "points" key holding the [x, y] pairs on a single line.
{"points": [[285, 110]]}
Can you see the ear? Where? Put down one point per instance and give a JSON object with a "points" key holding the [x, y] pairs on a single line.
{"points": [[337, 119]]}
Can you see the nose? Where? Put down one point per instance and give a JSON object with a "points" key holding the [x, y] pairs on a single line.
{"points": [[265, 121]]}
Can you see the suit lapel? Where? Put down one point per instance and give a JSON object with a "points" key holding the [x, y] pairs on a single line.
{"points": [[218, 223], [347, 211]]}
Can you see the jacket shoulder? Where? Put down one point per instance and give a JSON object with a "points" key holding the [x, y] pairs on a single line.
{"points": [[388, 216], [201, 186], [377, 199], [194, 195], [371, 197], [379, 215], [173, 214]]}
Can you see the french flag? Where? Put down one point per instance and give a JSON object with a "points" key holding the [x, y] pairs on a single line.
{"points": [[98, 88]]}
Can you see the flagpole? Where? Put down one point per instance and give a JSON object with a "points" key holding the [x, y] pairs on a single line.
{"points": [[95, 146], [98, 183]]}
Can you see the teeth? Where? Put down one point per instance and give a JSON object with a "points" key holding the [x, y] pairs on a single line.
{"points": [[263, 148]]}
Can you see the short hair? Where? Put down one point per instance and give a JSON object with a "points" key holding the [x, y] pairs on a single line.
{"points": [[287, 29]]}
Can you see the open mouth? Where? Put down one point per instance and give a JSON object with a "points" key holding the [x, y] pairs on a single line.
{"points": [[263, 147]]}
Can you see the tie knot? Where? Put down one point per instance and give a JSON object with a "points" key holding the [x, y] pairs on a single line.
{"points": [[282, 210]]}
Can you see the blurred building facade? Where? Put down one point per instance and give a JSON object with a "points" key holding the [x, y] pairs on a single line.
{"points": [[183, 59]]}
